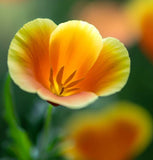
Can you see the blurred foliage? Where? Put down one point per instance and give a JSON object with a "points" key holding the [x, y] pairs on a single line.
{"points": [[19, 145], [31, 111]]}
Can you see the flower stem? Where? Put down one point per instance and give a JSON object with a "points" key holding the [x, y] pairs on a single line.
{"points": [[44, 141]]}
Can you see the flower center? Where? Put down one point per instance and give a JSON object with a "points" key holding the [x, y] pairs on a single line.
{"points": [[60, 88]]}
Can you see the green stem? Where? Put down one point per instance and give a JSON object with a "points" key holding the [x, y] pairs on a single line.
{"points": [[48, 120], [45, 134]]}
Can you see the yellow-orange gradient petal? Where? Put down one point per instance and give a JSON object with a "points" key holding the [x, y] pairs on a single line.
{"points": [[74, 46], [28, 58], [117, 134], [111, 70], [75, 101]]}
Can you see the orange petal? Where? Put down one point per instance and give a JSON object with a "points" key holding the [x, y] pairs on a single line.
{"points": [[28, 58], [147, 34], [111, 70], [74, 101], [76, 46]]}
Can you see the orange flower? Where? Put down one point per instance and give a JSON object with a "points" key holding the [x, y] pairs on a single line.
{"points": [[140, 13], [69, 64], [109, 18], [117, 134]]}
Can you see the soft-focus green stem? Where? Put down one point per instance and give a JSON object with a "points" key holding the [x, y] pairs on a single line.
{"points": [[48, 120], [45, 134]]}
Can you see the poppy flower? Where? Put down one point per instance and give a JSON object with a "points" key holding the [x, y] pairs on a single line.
{"points": [[109, 17], [140, 14], [122, 132], [67, 64]]}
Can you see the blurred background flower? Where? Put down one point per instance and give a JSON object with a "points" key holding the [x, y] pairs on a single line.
{"points": [[120, 132], [140, 15], [29, 109], [109, 17]]}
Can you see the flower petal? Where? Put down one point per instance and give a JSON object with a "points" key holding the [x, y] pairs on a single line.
{"points": [[111, 70], [76, 46], [28, 58], [146, 35], [75, 101]]}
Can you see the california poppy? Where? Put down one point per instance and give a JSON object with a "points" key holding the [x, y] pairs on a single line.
{"points": [[69, 64], [122, 132], [140, 14]]}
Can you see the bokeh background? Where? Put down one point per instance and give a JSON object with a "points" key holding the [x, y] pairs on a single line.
{"points": [[29, 108]]}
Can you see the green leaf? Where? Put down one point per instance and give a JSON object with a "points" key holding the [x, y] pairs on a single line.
{"points": [[54, 149], [54, 143], [21, 146]]}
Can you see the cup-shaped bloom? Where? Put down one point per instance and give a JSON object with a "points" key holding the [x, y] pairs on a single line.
{"points": [[120, 133], [69, 64], [140, 14]]}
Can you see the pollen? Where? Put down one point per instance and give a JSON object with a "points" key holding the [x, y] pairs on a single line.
{"points": [[61, 87]]}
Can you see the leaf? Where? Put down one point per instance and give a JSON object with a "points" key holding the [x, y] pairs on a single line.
{"points": [[21, 146]]}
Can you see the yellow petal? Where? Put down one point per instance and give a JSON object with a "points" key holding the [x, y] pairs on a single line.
{"points": [[28, 58], [111, 70], [74, 45]]}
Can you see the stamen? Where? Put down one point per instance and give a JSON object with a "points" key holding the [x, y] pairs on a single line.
{"points": [[59, 88], [73, 89], [73, 83], [51, 77], [62, 90], [60, 76], [69, 78]]}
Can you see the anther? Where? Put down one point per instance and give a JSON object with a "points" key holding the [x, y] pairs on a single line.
{"points": [[58, 87]]}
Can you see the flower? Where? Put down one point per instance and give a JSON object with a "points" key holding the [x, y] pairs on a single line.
{"points": [[119, 133], [140, 14], [69, 64], [109, 18]]}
